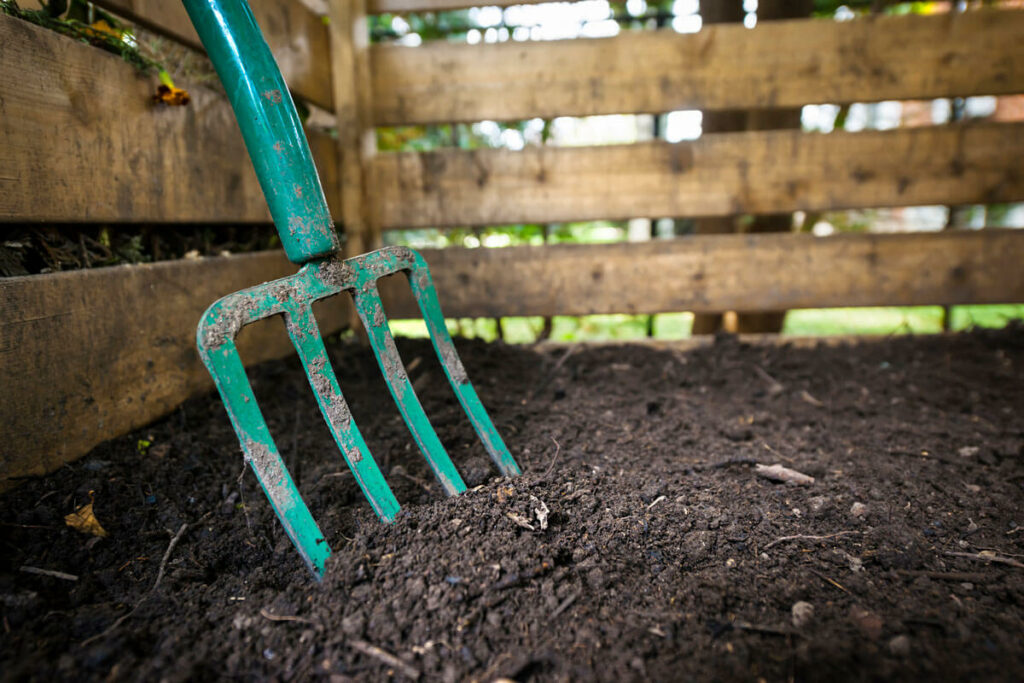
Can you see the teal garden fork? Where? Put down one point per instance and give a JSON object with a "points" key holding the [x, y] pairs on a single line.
{"points": [[280, 154]]}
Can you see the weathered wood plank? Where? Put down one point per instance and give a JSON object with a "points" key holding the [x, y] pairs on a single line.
{"points": [[728, 272], [80, 140], [356, 134], [777, 64], [730, 173], [297, 37], [92, 354], [140, 360]]}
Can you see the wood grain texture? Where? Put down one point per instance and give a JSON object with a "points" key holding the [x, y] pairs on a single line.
{"points": [[92, 354], [81, 140], [356, 142], [139, 361], [296, 36], [728, 272], [721, 67], [725, 174]]}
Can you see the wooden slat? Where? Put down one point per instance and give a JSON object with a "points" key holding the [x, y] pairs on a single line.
{"points": [[356, 135], [297, 37], [731, 173], [777, 64], [728, 272], [92, 354], [139, 321], [390, 6], [80, 140]]}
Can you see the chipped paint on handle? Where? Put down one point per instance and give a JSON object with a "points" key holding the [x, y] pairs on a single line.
{"points": [[270, 126]]}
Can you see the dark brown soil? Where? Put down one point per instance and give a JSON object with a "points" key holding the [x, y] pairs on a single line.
{"points": [[665, 556]]}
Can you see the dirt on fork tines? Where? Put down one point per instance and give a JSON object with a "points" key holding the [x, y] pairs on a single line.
{"points": [[642, 542]]}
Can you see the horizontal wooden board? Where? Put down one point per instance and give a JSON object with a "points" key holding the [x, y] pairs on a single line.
{"points": [[724, 174], [138, 361], [92, 354], [382, 6], [297, 37], [777, 64], [728, 272], [81, 140]]}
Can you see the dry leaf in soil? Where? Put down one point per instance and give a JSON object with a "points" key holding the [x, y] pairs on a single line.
{"points": [[84, 519]]}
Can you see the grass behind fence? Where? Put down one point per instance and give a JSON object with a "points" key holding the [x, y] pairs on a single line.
{"points": [[805, 322]]}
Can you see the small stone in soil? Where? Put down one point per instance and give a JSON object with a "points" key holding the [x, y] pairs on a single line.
{"points": [[900, 646], [803, 613]]}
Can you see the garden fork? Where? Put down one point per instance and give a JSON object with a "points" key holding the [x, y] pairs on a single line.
{"points": [[280, 154]]}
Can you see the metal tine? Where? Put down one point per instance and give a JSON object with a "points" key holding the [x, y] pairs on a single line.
{"points": [[371, 312], [260, 451], [305, 335], [426, 296]]}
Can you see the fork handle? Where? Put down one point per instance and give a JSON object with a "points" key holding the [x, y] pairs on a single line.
{"points": [[270, 126]]}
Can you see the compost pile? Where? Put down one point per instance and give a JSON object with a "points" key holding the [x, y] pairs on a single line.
{"points": [[642, 541]]}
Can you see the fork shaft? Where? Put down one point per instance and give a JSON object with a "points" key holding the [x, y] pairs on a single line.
{"points": [[270, 126]]}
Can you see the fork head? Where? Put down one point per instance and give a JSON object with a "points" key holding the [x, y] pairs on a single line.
{"points": [[293, 297]]}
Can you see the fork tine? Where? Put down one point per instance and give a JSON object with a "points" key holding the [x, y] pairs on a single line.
{"points": [[305, 334], [371, 312], [260, 451], [426, 296]]}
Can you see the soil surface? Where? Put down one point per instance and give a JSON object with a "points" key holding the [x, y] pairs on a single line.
{"points": [[666, 555]]}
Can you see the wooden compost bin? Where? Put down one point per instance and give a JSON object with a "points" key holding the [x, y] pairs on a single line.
{"points": [[88, 355]]}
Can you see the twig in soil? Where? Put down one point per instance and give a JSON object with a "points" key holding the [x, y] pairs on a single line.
{"points": [[241, 496], [775, 387], [551, 374], [988, 557], [566, 604], [772, 630], [113, 627], [806, 397], [284, 617], [159, 577], [786, 475], [825, 578], [400, 471], [167, 556], [48, 572], [554, 458], [805, 537], [386, 657]]}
